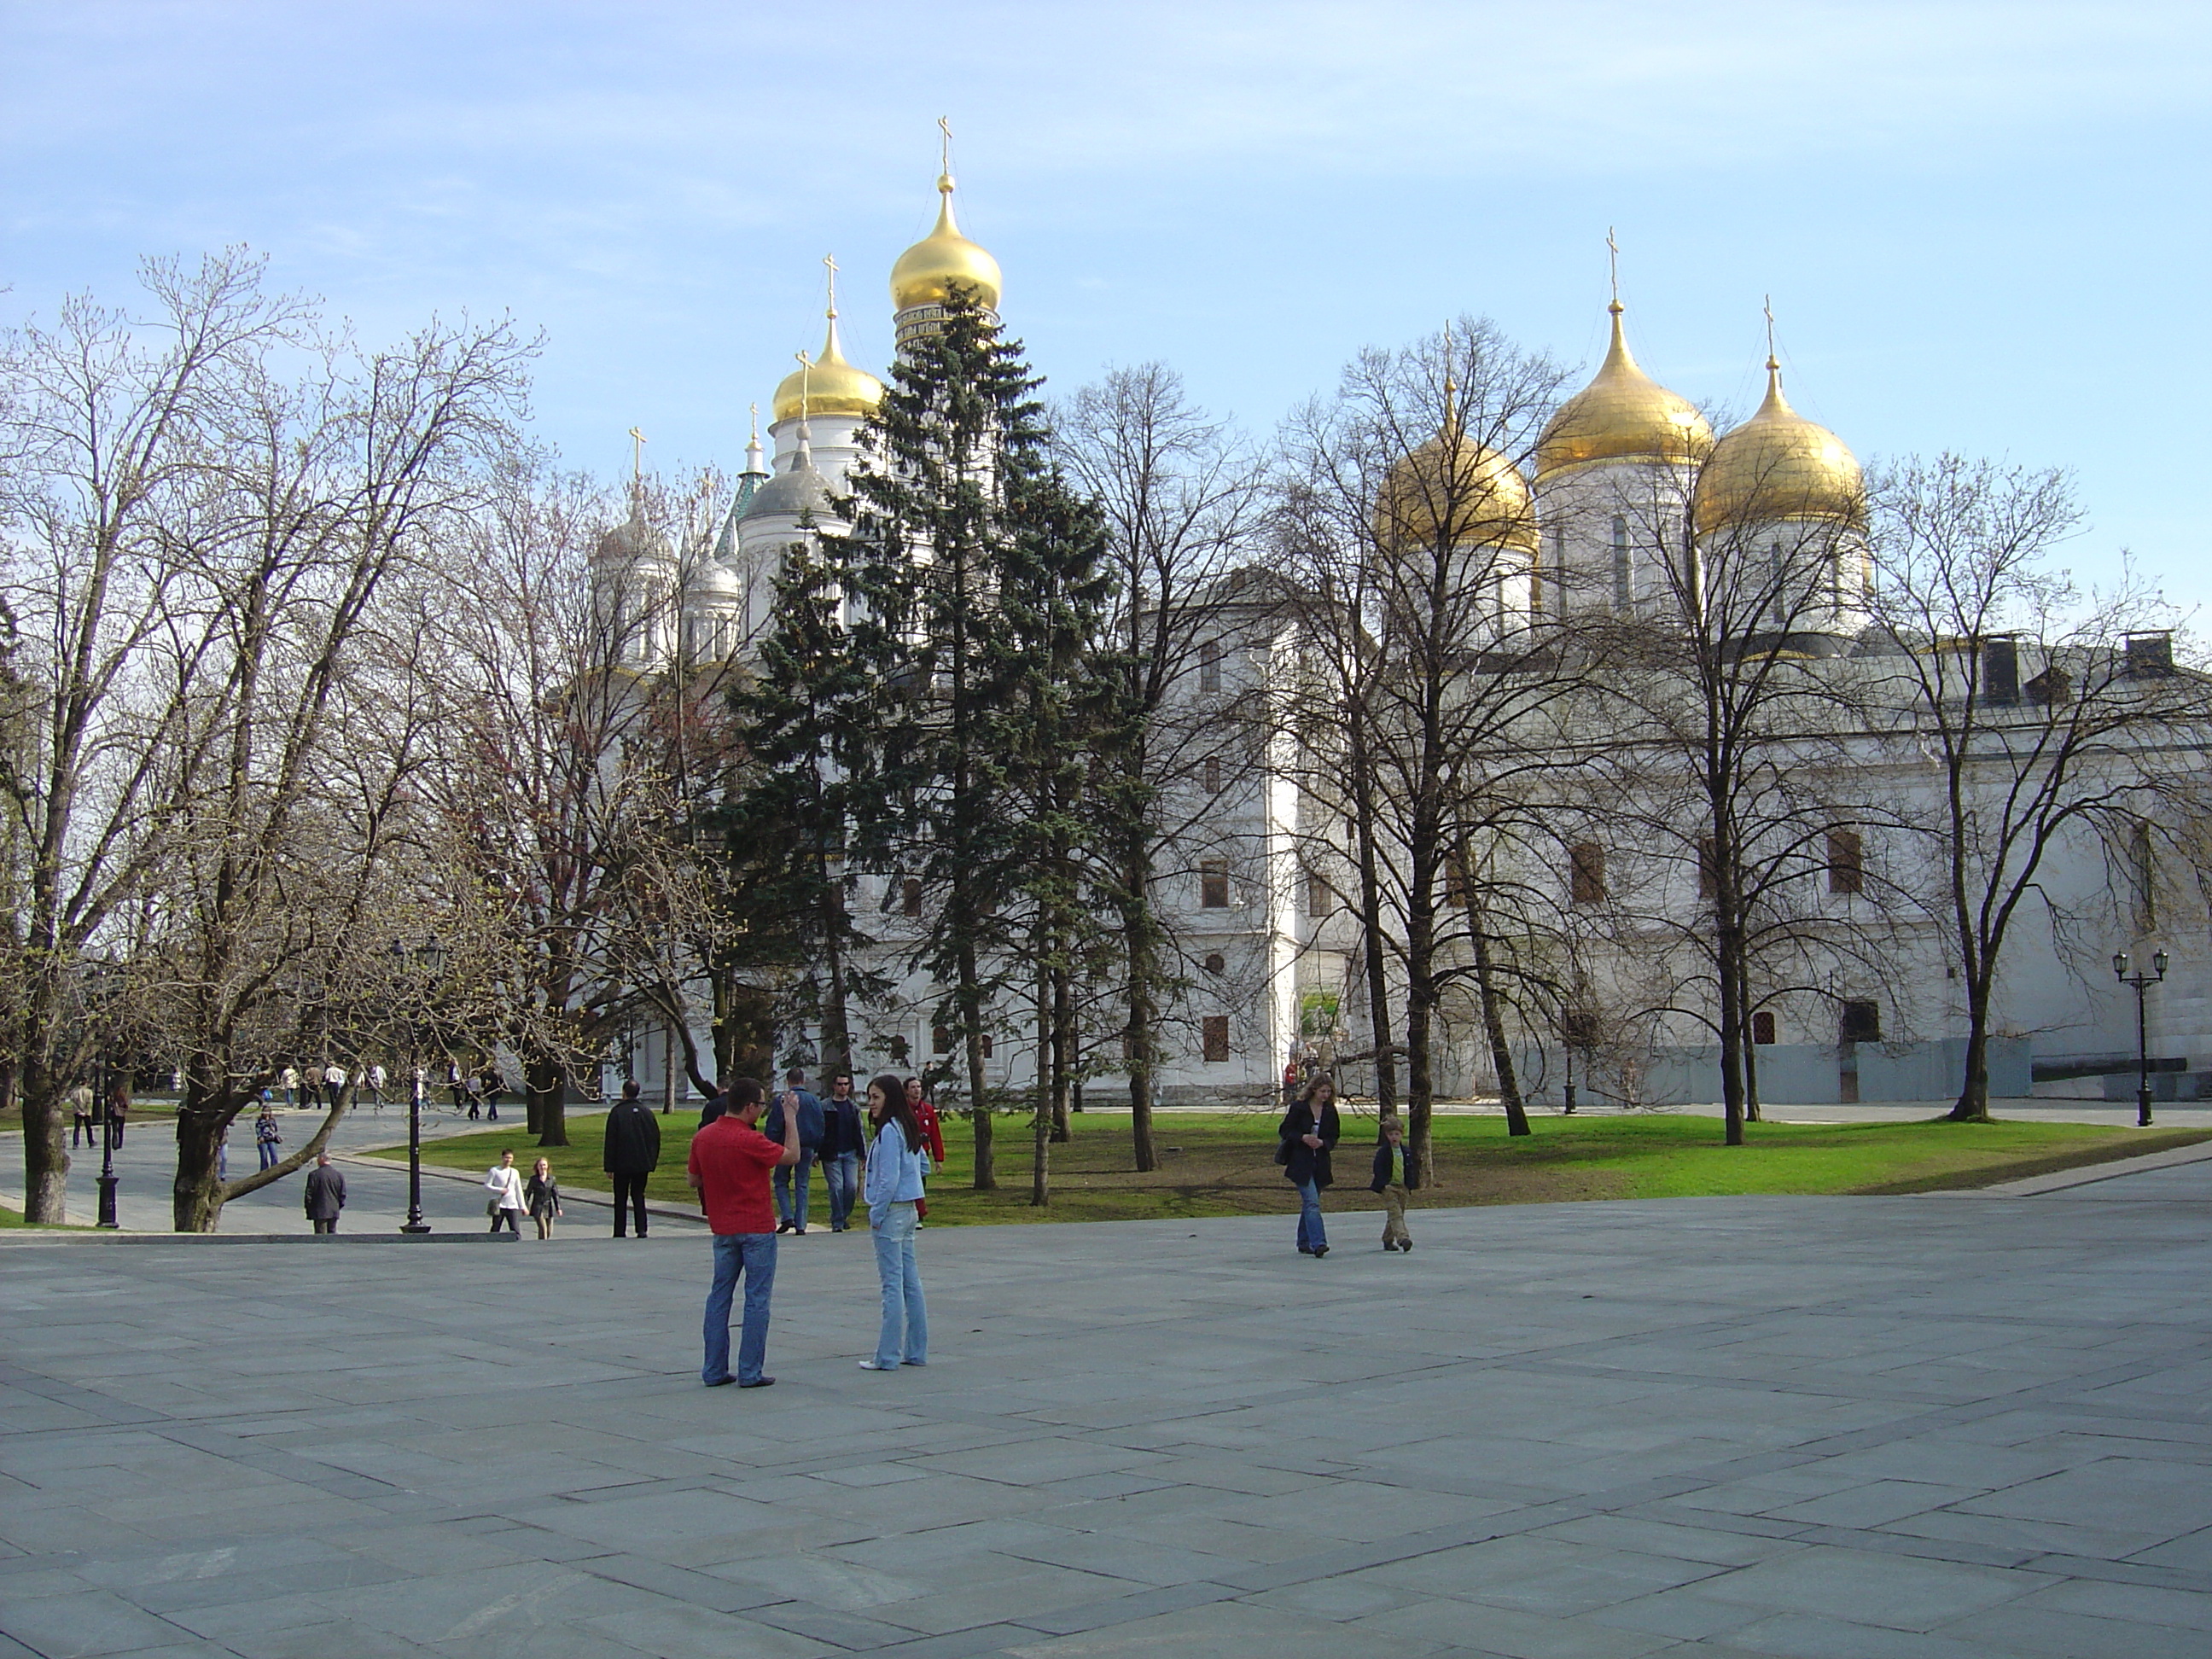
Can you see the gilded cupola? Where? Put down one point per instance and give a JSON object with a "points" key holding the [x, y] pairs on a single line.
{"points": [[1777, 465], [1622, 415], [1457, 490], [829, 384], [942, 261]]}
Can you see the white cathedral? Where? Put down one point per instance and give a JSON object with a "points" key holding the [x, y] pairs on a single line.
{"points": [[1271, 962]]}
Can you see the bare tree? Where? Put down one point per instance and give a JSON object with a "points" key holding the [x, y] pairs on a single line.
{"points": [[1182, 498], [2043, 715]]}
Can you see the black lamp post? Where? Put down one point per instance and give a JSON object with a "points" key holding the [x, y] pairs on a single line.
{"points": [[2141, 982], [108, 1179], [429, 963]]}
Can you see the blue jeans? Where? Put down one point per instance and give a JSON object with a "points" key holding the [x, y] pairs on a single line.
{"points": [[784, 1174], [1312, 1235], [905, 1334], [840, 1174], [270, 1156], [752, 1254]]}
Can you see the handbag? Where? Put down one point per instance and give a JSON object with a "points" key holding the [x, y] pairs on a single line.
{"points": [[491, 1209]]}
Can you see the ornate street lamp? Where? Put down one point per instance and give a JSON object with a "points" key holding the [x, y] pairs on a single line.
{"points": [[2141, 982]]}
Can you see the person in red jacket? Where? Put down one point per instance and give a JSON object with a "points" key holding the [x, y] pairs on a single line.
{"points": [[730, 1164], [932, 1137]]}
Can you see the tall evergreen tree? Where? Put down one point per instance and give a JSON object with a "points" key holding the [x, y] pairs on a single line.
{"points": [[961, 559]]}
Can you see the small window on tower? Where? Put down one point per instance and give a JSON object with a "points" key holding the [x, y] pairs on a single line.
{"points": [[986, 1048], [1861, 1023], [911, 897], [1846, 862], [1624, 575], [1762, 1027], [1209, 665], [1213, 773], [1319, 900], [1215, 962], [1217, 1038], [1586, 874], [900, 1050], [1213, 884], [941, 1039]]}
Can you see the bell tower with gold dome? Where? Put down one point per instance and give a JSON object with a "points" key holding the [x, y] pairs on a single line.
{"points": [[940, 263], [1615, 470]]}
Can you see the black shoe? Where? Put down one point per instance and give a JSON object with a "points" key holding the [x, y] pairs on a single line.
{"points": [[1306, 1250], [783, 1226], [797, 1232], [759, 1382], [1408, 1246], [1388, 1244], [722, 1381], [1321, 1249]]}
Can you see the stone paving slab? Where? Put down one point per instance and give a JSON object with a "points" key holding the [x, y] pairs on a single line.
{"points": [[1782, 1426]]}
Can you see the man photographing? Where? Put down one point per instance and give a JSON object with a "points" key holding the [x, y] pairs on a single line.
{"points": [[730, 1166]]}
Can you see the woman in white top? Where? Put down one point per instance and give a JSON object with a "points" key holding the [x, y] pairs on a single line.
{"points": [[898, 1167], [504, 1183]]}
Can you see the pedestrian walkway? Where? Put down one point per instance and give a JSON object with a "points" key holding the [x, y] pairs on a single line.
{"points": [[1771, 1425]]}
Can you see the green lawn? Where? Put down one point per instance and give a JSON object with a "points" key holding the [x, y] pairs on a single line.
{"points": [[1221, 1163]]}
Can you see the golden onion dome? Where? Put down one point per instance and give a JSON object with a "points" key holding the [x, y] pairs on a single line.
{"points": [[828, 385], [1477, 497], [1777, 465], [942, 261], [1622, 415]]}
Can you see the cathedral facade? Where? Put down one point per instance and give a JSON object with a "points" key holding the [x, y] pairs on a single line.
{"points": [[1626, 476]]}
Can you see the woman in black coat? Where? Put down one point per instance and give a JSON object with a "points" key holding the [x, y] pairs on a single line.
{"points": [[1303, 1138]]}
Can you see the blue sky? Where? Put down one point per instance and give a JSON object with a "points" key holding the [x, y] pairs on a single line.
{"points": [[1985, 226]]}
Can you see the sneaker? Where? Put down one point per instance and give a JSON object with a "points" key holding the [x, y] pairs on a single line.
{"points": [[871, 1365]]}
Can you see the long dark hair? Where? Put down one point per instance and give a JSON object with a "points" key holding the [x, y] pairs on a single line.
{"points": [[896, 1110]]}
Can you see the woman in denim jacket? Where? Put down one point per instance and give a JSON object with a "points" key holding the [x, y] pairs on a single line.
{"points": [[897, 1166]]}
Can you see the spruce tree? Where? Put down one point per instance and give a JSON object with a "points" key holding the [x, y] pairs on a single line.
{"points": [[968, 557]]}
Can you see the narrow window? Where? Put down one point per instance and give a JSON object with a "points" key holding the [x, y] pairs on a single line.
{"points": [[1586, 872], [1861, 1023], [1774, 584], [1209, 665], [1213, 775], [2000, 671], [1708, 869], [1217, 1038], [1319, 900], [986, 1048], [940, 1038], [2143, 878], [900, 1050], [1762, 1027], [1846, 862], [1624, 577], [911, 897], [1455, 882], [1213, 884]]}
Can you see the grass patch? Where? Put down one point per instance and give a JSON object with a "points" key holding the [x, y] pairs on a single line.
{"points": [[1221, 1163]]}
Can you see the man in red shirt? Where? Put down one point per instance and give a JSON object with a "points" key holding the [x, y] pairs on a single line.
{"points": [[731, 1161]]}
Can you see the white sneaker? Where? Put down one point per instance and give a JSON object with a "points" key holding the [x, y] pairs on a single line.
{"points": [[871, 1365]]}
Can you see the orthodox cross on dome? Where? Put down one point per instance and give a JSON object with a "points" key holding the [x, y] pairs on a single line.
{"points": [[1613, 267], [829, 262], [636, 460], [806, 382], [756, 408], [1451, 385], [1772, 361], [944, 145]]}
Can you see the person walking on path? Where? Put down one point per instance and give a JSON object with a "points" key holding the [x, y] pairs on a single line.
{"points": [[844, 1150], [542, 1193], [495, 1086], [376, 1076], [796, 1098], [288, 1081], [310, 1086], [932, 1135], [268, 1135], [325, 1194], [504, 1182], [1303, 1138], [1396, 1174], [729, 1168], [80, 1115], [119, 1111], [631, 1153], [898, 1166], [334, 1081]]}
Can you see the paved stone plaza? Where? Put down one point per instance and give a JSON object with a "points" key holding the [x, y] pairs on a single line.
{"points": [[1915, 1426]]}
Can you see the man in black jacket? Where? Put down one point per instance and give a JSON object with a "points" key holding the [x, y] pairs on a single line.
{"points": [[1396, 1174], [632, 1152], [844, 1150], [325, 1194]]}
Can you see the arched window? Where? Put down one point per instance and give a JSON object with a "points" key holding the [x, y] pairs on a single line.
{"points": [[1623, 576]]}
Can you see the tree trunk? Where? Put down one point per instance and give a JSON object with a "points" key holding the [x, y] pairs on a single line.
{"points": [[547, 1081], [45, 1141], [979, 1101], [1421, 1003], [1750, 1056], [1973, 1102], [1376, 949], [1493, 1027]]}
